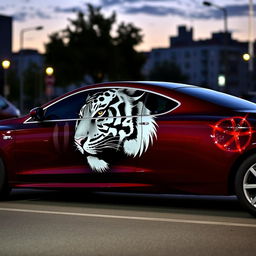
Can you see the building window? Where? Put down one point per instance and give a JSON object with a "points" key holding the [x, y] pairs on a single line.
{"points": [[187, 54], [187, 65], [173, 57]]}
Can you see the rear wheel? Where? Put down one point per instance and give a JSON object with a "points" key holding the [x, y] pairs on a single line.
{"points": [[4, 188], [245, 184]]}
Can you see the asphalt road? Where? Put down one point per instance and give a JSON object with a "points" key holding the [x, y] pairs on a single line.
{"points": [[65, 223]]}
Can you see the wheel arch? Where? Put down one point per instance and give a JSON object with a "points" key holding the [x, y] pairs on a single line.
{"points": [[234, 169]]}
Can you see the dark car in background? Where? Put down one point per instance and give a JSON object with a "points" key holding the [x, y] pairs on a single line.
{"points": [[135, 136], [7, 109]]}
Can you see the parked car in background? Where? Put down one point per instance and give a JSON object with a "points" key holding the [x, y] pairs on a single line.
{"points": [[135, 136], [7, 109]]}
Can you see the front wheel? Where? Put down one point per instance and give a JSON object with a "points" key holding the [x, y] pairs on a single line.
{"points": [[245, 184], [4, 188]]}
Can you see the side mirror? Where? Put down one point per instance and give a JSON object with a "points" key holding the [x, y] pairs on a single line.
{"points": [[37, 114]]}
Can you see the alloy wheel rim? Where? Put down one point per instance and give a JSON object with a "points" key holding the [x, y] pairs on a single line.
{"points": [[249, 185]]}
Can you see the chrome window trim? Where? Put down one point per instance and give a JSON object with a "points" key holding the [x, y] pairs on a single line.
{"points": [[112, 87]]}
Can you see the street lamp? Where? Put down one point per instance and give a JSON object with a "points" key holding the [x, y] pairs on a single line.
{"points": [[225, 13], [6, 65], [49, 81], [246, 57], [221, 80], [49, 71], [22, 32]]}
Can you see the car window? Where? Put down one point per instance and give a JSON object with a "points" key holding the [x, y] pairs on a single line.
{"points": [[67, 108], [158, 104], [97, 104]]}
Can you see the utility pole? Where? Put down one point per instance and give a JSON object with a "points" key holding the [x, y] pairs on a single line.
{"points": [[251, 36], [251, 46]]}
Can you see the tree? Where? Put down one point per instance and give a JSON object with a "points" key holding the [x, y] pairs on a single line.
{"points": [[59, 56], [168, 72], [128, 61], [87, 47], [32, 87]]}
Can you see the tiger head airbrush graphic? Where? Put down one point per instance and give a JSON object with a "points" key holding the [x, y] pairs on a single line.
{"points": [[112, 120]]}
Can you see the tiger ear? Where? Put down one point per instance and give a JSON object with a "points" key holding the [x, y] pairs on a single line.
{"points": [[135, 95], [88, 97]]}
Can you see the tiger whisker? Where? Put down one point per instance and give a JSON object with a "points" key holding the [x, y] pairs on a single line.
{"points": [[108, 147], [108, 144], [108, 138], [104, 141]]}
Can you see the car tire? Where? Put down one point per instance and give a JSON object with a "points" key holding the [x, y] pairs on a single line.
{"points": [[245, 184], [4, 188]]}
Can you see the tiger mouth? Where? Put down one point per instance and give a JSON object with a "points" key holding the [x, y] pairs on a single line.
{"points": [[89, 151], [86, 150]]}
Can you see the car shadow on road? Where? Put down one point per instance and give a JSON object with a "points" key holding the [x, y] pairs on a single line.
{"points": [[226, 206]]}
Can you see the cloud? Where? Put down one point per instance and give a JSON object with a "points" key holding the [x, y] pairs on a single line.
{"points": [[181, 8], [106, 3], [154, 10], [238, 10], [232, 11], [42, 15], [30, 13], [20, 16], [197, 13], [68, 9]]}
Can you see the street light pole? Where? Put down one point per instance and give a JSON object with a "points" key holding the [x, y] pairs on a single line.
{"points": [[22, 32], [251, 47], [251, 35], [225, 13], [6, 64], [225, 41]]}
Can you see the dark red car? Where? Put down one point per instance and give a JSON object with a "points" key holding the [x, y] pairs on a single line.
{"points": [[139, 136]]}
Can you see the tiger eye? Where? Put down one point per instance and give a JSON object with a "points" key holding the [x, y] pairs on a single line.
{"points": [[100, 113]]}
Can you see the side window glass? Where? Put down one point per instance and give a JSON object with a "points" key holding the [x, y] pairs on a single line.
{"points": [[67, 108], [112, 102], [158, 104]]}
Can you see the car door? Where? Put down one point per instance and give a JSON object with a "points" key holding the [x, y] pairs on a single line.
{"points": [[44, 150], [85, 139], [158, 138]]}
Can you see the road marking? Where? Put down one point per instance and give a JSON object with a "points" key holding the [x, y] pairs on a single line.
{"points": [[171, 220]]}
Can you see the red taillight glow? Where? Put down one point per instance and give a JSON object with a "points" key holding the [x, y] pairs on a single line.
{"points": [[232, 134]]}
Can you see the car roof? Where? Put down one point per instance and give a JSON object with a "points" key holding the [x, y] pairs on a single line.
{"points": [[218, 98], [206, 95], [211, 96], [142, 84], [167, 85], [154, 86]]}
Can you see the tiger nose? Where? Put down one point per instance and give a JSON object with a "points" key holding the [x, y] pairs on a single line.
{"points": [[81, 140]]}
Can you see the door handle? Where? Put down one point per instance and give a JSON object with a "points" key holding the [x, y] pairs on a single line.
{"points": [[144, 123]]}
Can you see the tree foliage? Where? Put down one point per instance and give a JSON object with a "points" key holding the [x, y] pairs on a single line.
{"points": [[33, 85], [87, 47]]}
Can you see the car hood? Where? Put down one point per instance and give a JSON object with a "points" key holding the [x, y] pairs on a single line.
{"points": [[10, 124]]}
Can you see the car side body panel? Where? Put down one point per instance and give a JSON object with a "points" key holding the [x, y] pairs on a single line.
{"points": [[185, 152]]}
